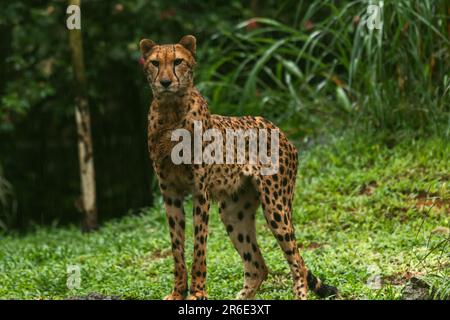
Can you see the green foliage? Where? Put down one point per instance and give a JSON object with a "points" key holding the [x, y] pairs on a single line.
{"points": [[360, 206], [312, 67], [322, 65], [309, 62]]}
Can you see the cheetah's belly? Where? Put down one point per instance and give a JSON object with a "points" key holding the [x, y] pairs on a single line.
{"points": [[225, 180], [178, 177]]}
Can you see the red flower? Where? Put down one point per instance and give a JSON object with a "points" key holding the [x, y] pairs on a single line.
{"points": [[405, 27], [167, 14], [308, 25], [252, 24]]}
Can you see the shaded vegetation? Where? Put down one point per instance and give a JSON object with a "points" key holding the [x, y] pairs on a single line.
{"points": [[317, 63], [310, 66], [369, 110]]}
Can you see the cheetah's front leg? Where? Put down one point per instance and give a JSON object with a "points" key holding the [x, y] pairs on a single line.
{"points": [[201, 217], [176, 220]]}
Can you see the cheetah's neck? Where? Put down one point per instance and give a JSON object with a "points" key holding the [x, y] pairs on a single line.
{"points": [[171, 110]]}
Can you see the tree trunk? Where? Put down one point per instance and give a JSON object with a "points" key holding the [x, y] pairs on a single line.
{"points": [[83, 122]]}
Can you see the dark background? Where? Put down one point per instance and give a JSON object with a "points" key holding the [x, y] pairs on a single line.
{"points": [[294, 62]]}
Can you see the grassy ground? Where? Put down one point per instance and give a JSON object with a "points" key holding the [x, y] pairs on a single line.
{"points": [[362, 211]]}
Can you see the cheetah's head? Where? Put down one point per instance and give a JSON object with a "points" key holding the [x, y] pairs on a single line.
{"points": [[169, 67]]}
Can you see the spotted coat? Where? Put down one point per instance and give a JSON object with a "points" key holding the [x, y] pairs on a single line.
{"points": [[238, 188]]}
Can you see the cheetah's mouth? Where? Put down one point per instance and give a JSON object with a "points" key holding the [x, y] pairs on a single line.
{"points": [[166, 91]]}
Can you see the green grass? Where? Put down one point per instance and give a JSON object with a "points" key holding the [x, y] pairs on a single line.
{"points": [[360, 206]]}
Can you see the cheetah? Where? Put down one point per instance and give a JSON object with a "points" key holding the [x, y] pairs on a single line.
{"points": [[239, 188]]}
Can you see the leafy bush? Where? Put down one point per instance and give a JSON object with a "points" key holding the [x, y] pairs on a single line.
{"points": [[311, 66], [323, 64]]}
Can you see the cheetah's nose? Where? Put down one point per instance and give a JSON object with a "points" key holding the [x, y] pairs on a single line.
{"points": [[165, 83]]}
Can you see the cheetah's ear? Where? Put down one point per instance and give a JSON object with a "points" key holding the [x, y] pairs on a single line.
{"points": [[146, 46], [190, 43]]}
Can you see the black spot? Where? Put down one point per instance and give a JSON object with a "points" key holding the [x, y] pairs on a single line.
{"points": [[247, 256], [182, 224], [240, 215], [169, 201], [198, 210], [201, 200], [247, 205], [177, 203], [229, 228], [312, 281], [247, 238], [171, 222], [240, 237], [277, 216], [274, 224]]}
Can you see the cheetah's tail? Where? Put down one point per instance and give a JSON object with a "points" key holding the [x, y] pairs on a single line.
{"points": [[321, 289]]}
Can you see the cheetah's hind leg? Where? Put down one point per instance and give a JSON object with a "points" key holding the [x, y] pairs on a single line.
{"points": [[238, 214]]}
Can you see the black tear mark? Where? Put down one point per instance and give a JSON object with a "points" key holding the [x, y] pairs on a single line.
{"points": [[173, 65], [157, 72]]}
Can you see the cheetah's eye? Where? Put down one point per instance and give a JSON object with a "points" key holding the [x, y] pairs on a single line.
{"points": [[177, 61], [155, 63]]}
